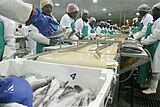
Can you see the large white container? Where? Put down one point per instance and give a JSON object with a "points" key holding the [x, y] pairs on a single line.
{"points": [[97, 80]]}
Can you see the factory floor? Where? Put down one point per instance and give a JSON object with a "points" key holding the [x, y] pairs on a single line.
{"points": [[130, 95]]}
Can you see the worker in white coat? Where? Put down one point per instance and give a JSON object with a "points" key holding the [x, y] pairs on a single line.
{"points": [[92, 28], [26, 13], [82, 24], [154, 39], [146, 19], [100, 29], [7, 40], [68, 20]]}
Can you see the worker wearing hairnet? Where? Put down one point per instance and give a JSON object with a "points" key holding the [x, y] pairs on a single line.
{"points": [[92, 28], [154, 39], [28, 14], [146, 18], [82, 24], [68, 19], [46, 8], [7, 40], [100, 29]]}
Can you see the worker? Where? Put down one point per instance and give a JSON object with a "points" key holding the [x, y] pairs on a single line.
{"points": [[28, 14], [146, 18], [92, 28], [134, 28], [7, 40], [82, 24], [46, 8], [100, 29], [143, 74], [68, 20], [154, 39]]}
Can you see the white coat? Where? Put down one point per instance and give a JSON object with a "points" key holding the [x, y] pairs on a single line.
{"points": [[155, 36], [99, 29], [10, 46], [66, 21], [148, 18], [79, 25]]}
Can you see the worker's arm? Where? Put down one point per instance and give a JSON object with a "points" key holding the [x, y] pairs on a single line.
{"points": [[141, 33], [152, 38]]}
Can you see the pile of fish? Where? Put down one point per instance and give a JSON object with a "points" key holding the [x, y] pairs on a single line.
{"points": [[131, 46], [51, 92]]}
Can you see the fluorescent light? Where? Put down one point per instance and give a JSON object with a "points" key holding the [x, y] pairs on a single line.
{"points": [[109, 14], [127, 21], [57, 4], [95, 1], [104, 9]]}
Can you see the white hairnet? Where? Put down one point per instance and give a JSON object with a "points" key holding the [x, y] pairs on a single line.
{"points": [[144, 8], [92, 19], [156, 5], [45, 2], [72, 8], [84, 11]]}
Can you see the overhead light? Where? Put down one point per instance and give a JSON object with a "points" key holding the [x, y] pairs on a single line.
{"points": [[137, 14], [95, 1], [104, 9], [127, 21], [109, 14], [57, 4]]}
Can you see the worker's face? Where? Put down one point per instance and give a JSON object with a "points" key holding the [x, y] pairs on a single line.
{"points": [[85, 17], [92, 23], [73, 15], [47, 9], [142, 13], [156, 13]]}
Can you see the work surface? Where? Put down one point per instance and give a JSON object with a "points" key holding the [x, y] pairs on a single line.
{"points": [[85, 56]]}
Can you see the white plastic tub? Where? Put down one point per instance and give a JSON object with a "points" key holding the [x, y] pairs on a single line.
{"points": [[97, 80]]}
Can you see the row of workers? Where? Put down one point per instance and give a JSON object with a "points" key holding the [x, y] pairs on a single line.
{"points": [[42, 24], [148, 33]]}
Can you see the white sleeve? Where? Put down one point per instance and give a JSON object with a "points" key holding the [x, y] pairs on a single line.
{"points": [[148, 19], [38, 37], [10, 46], [79, 25], [98, 30], [152, 38], [141, 33], [16, 10], [65, 22]]}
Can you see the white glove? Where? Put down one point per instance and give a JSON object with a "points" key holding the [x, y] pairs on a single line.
{"points": [[16, 10], [141, 33]]}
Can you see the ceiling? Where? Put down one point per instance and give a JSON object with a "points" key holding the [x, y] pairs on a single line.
{"points": [[121, 10]]}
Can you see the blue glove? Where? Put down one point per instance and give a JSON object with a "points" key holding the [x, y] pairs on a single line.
{"points": [[45, 24], [14, 89]]}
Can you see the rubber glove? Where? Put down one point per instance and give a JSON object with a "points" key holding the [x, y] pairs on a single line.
{"points": [[14, 89], [45, 24]]}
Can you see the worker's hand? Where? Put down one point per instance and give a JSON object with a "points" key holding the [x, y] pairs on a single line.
{"points": [[45, 24], [54, 41]]}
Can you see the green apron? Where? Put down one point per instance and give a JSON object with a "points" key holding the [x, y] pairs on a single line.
{"points": [[144, 69], [103, 31], [135, 29], [39, 47], [84, 31], [2, 41], [140, 26], [93, 30], [73, 26]]}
